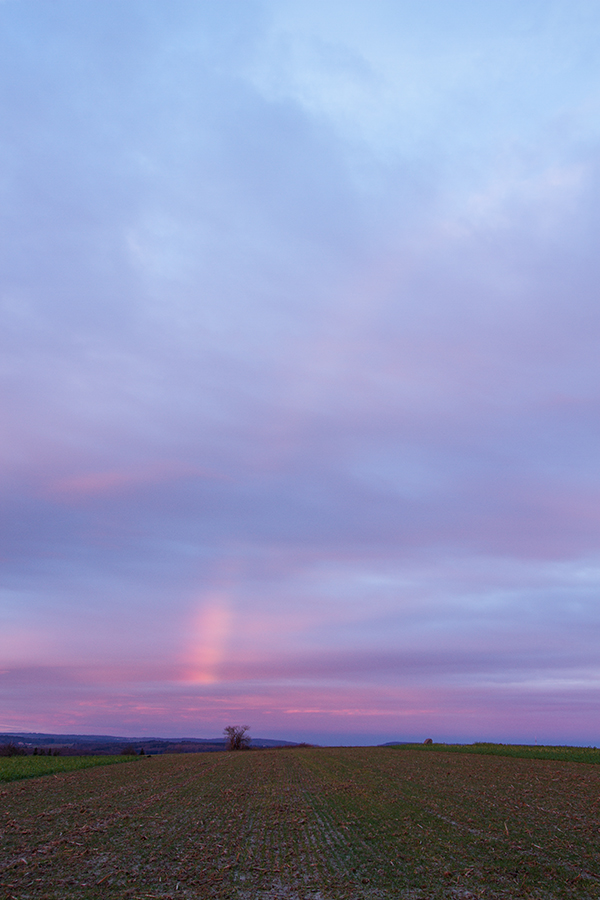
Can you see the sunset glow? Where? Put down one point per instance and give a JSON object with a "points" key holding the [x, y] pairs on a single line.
{"points": [[301, 380]]}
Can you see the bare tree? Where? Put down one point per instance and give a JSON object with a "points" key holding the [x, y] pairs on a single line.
{"points": [[237, 737]]}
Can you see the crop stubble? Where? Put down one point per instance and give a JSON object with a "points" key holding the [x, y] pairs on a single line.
{"points": [[305, 825]]}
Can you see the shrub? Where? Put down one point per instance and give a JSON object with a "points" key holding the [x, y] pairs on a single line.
{"points": [[11, 749], [237, 737]]}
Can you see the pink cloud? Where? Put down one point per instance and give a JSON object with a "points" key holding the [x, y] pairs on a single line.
{"points": [[312, 713], [115, 481]]}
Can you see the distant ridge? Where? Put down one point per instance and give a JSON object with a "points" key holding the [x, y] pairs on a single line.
{"points": [[108, 744]]}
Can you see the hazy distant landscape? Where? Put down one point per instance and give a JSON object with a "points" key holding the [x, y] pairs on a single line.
{"points": [[98, 744]]}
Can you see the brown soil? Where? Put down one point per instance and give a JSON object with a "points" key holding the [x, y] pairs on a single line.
{"points": [[329, 824]]}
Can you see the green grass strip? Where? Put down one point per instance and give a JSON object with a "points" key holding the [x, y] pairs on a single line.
{"points": [[518, 751], [13, 768]]}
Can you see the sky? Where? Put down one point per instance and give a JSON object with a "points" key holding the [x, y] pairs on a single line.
{"points": [[300, 369]]}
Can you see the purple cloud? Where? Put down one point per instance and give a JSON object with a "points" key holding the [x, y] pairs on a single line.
{"points": [[300, 379]]}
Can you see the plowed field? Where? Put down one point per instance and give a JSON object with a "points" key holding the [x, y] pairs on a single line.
{"points": [[305, 825]]}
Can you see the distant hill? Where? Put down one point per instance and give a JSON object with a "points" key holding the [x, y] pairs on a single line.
{"points": [[105, 744]]}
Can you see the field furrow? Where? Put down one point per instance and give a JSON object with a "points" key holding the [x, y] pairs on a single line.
{"points": [[322, 824]]}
